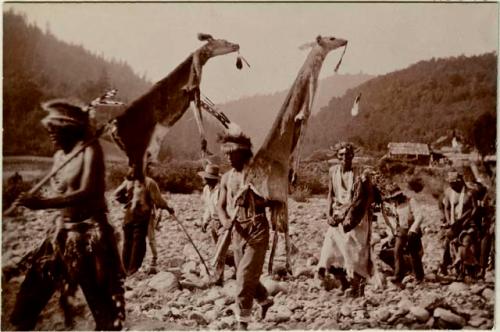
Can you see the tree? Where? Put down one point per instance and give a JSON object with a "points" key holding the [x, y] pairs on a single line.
{"points": [[484, 133]]}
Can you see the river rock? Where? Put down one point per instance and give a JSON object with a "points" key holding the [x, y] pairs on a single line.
{"points": [[420, 313], [211, 315], [198, 317], [229, 289], [455, 320], [477, 289], [345, 310], [312, 261], [458, 287], [381, 314], [489, 295], [274, 287], [164, 282], [405, 304], [477, 321], [189, 252], [304, 271], [280, 314], [430, 301]]}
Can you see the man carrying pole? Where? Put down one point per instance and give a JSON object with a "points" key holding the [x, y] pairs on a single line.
{"points": [[83, 250], [243, 211]]}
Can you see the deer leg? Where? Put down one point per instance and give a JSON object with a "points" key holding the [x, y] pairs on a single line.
{"points": [[198, 118], [273, 251]]}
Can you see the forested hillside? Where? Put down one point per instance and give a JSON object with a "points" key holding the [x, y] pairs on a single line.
{"points": [[37, 67], [420, 103]]}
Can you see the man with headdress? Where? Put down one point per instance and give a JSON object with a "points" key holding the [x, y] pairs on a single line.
{"points": [[83, 250], [346, 251], [243, 209], [458, 207], [140, 221]]}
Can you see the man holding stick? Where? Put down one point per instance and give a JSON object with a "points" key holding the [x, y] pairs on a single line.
{"points": [[140, 221], [83, 250]]}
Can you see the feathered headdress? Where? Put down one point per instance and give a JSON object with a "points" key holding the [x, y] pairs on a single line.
{"points": [[234, 139]]}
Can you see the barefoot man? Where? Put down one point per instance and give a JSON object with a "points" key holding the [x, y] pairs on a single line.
{"points": [[250, 231], [84, 249]]}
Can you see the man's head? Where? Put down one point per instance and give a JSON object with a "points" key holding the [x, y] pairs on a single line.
{"points": [[456, 180], [66, 122], [345, 153], [238, 149], [210, 175]]}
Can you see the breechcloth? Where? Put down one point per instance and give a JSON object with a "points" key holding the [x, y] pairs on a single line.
{"points": [[251, 242], [83, 253]]}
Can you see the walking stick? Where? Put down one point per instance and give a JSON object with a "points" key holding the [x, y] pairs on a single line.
{"points": [[72, 156], [191, 241]]}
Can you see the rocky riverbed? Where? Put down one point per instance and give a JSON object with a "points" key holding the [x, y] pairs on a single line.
{"points": [[177, 298]]}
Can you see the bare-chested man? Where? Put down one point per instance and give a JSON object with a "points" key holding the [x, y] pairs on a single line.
{"points": [[458, 207], [250, 228], [84, 249]]}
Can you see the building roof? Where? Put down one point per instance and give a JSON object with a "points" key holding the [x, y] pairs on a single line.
{"points": [[408, 148]]}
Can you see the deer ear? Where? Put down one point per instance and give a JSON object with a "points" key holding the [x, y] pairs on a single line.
{"points": [[318, 39], [204, 36]]}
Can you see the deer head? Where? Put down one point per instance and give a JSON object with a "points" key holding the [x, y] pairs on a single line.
{"points": [[330, 43], [217, 47]]}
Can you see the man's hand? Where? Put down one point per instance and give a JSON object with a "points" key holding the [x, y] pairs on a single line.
{"points": [[333, 221], [30, 201]]}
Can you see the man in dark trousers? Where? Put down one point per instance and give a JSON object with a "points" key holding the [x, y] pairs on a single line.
{"points": [[240, 204], [140, 222], [83, 250]]}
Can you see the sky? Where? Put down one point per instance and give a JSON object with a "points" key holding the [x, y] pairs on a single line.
{"points": [[153, 38]]}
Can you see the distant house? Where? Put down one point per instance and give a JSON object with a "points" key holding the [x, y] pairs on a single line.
{"points": [[416, 153]]}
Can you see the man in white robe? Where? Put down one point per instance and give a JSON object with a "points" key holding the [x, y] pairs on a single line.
{"points": [[346, 250]]}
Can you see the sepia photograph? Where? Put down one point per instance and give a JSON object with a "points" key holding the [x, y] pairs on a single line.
{"points": [[239, 166]]}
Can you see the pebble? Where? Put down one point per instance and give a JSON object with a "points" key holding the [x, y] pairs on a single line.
{"points": [[198, 317], [345, 310], [312, 261], [381, 314], [164, 282], [449, 317], [476, 321], [274, 287], [458, 287], [489, 295], [430, 301], [405, 304], [420, 313], [280, 314]]}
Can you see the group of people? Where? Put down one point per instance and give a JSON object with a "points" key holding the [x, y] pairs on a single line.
{"points": [[82, 249]]}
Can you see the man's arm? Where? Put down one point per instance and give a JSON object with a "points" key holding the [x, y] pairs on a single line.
{"points": [[446, 208], [330, 194], [156, 197], [222, 203], [88, 187], [386, 219], [120, 193]]}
